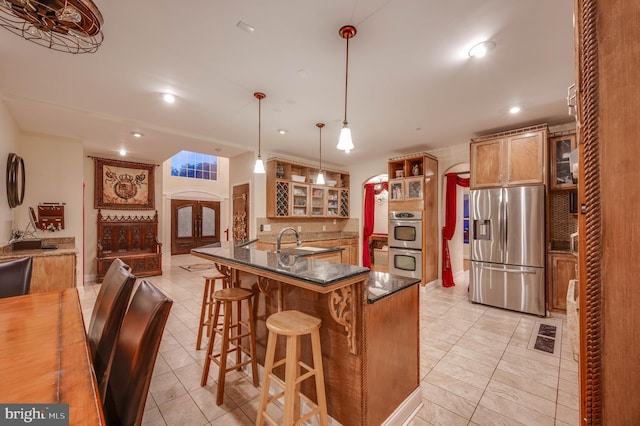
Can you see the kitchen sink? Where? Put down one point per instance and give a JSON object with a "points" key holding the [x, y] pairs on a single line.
{"points": [[301, 250]]}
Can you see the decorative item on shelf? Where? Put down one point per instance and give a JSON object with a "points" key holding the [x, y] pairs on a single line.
{"points": [[71, 26], [259, 167], [279, 171], [345, 142], [416, 169], [399, 174], [320, 178]]}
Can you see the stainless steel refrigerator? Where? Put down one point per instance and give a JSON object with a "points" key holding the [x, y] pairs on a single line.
{"points": [[508, 248]]}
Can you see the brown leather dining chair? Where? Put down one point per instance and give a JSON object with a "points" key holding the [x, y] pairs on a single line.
{"points": [[15, 277], [135, 355], [107, 315]]}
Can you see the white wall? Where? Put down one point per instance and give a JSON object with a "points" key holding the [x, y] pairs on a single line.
{"points": [[53, 174], [58, 181], [8, 143]]}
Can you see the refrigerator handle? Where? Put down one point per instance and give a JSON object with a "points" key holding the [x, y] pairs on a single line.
{"points": [[516, 271], [501, 219], [505, 220]]}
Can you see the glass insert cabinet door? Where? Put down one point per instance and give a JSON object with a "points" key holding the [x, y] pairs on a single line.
{"points": [[414, 188], [300, 199], [317, 201], [561, 147], [193, 224], [396, 190]]}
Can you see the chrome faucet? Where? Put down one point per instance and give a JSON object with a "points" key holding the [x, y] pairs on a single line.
{"points": [[282, 231]]}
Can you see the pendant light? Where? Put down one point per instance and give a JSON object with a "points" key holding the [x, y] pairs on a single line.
{"points": [[320, 178], [344, 142], [259, 167]]}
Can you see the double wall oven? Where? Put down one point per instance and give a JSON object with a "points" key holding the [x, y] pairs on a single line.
{"points": [[405, 244]]}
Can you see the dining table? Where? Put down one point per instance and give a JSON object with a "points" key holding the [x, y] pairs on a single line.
{"points": [[44, 355]]}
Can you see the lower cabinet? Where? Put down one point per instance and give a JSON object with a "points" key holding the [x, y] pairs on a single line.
{"points": [[54, 272], [561, 269]]}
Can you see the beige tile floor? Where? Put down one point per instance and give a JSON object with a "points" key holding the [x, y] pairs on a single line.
{"points": [[476, 365]]}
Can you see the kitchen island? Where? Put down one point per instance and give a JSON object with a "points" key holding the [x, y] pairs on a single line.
{"points": [[369, 332]]}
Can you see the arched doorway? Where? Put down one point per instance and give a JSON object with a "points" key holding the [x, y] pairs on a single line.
{"points": [[375, 233], [459, 251]]}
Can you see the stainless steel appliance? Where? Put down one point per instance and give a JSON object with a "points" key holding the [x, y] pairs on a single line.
{"points": [[405, 230], [507, 248], [405, 244], [405, 262]]}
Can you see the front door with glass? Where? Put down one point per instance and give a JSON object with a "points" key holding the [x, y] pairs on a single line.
{"points": [[194, 224]]}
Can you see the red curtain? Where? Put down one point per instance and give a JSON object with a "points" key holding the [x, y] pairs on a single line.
{"points": [[453, 180], [367, 230]]}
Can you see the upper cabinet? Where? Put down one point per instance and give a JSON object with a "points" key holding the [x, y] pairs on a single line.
{"points": [[560, 148], [292, 191], [407, 179], [510, 159]]}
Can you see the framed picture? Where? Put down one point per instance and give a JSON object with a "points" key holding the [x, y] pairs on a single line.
{"points": [[122, 185]]}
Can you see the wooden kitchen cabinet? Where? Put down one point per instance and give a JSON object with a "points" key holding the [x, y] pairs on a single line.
{"points": [[413, 186], [409, 178], [288, 197], [560, 148], [510, 159], [562, 268]]}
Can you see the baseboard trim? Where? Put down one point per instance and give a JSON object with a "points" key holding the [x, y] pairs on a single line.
{"points": [[407, 411]]}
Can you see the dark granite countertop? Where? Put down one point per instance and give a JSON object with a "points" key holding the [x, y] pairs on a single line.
{"points": [[305, 268], [382, 284]]}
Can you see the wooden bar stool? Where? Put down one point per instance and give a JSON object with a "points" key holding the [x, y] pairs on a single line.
{"points": [[231, 342], [207, 304], [293, 324]]}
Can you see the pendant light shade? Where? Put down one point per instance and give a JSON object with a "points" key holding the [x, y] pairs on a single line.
{"points": [[320, 178], [259, 167], [345, 143]]}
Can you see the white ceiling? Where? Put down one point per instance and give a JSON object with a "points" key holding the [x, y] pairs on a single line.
{"points": [[412, 86]]}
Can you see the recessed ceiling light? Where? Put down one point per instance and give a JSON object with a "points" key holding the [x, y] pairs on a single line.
{"points": [[481, 49], [514, 109], [136, 134], [123, 152], [245, 27], [169, 98], [282, 131]]}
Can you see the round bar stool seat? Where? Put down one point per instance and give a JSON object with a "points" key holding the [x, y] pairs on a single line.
{"points": [[293, 325], [232, 334], [206, 313]]}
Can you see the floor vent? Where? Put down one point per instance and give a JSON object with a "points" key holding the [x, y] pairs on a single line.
{"points": [[546, 337]]}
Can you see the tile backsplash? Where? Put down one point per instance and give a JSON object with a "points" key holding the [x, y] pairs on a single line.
{"points": [[306, 225]]}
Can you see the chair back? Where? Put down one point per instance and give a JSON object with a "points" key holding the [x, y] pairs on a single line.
{"points": [[15, 277], [135, 355], [107, 315]]}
